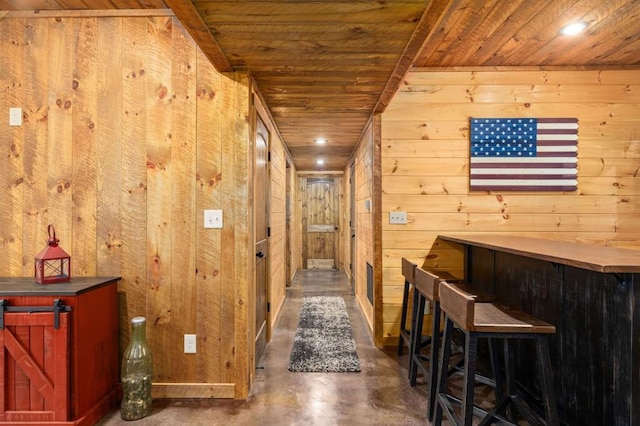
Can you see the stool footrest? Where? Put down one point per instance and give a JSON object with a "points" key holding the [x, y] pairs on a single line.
{"points": [[447, 401]]}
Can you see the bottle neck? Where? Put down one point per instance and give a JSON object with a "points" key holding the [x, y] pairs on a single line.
{"points": [[139, 331]]}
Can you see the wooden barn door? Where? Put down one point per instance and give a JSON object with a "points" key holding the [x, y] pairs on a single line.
{"points": [[320, 219], [261, 191], [34, 368]]}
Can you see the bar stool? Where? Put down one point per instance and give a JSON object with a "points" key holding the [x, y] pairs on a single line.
{"points": [[409, 273], [426, 288], [489, 320]]}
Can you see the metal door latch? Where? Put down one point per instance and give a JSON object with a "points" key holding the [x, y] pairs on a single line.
{"points": [[56, 308]]}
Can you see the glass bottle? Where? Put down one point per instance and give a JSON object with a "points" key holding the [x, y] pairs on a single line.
{"points": [[136, 373]]}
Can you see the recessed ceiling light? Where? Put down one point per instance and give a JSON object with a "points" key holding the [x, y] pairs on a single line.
{"points": [[573, 29], [320, 162], [321, 141]]}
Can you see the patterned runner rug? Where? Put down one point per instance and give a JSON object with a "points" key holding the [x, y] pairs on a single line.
{"points": [[323, 340]]}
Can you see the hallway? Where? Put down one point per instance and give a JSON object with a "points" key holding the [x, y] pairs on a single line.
{"points": [[379, 395]]}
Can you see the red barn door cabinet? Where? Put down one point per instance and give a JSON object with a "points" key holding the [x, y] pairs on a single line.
{"points": [[59, 359]]}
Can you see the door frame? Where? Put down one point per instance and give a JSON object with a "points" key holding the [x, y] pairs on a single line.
{"points": [[352, 224], [260, 115], [288, 257]]}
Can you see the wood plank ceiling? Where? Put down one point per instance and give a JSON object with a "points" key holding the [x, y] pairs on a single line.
{"points": [[323, 66]]}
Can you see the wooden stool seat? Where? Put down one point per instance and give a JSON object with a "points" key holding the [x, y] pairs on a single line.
{"points": [[462, 307], [445, 276], [428, 284], [495, 321], [494, 318]]}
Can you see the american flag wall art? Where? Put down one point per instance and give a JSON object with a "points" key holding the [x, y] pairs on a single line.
{"points": [[524, 154]]}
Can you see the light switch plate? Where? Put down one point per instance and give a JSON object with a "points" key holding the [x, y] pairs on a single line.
{"points": [[398, 218], [213, 218], [189, 343], [15, 116]]}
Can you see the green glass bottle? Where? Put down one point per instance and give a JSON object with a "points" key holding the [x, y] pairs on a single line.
{"points": [[136, 374]]}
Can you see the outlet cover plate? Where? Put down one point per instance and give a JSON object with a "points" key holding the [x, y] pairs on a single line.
{"points": [[398, 218]]}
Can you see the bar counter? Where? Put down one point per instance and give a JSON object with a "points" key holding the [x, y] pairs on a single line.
{"points": [[590, 293]]}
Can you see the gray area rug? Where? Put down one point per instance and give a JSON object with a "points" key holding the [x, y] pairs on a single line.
{"points": [[323, 340]]}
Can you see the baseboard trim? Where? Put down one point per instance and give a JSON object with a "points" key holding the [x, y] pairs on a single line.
{"points": [[193, 390]]}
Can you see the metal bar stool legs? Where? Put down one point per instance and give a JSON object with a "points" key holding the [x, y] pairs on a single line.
{"points": [[425, 290], [409, 273], [433, 364], [419, 303], [444, 402], [543, 362], [442, 407], [404, 333]]}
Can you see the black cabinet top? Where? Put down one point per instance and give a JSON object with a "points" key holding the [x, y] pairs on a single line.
{"points": [[27, 286]]}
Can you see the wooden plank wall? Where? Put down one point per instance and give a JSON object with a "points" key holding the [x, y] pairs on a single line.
{"points": [[129, 133], [425, 165], [363, 158]]}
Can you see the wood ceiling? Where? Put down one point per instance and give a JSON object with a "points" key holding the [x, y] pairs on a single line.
{"points": [[323, 67]]}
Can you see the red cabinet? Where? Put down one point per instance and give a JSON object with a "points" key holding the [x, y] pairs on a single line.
{"points": [[60, 368]]}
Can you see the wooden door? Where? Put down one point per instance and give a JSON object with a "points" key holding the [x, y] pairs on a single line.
{"points": [[321, 215], [34, 368], [261, 190]]}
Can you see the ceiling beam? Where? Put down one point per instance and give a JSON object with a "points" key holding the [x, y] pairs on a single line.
{"points": [[186, 12], [85, 13], [429, 21]]}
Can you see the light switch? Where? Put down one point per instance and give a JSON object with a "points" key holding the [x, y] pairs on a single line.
{"points": [[15, 116], [213, 218]]}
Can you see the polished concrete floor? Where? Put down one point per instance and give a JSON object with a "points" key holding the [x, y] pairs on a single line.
{"points": [[378, 395]]}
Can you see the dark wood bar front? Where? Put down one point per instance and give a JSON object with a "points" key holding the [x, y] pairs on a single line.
{"points": [[590, 293]]}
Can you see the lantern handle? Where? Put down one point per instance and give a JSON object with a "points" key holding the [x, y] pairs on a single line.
{"points": [[52, 239]]}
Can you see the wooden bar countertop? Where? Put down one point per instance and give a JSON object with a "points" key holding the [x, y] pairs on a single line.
{"points": [[587, 256], [22, 286]]}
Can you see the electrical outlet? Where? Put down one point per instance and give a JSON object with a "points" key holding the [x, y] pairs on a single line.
{"points": [[398, 218], [189, 343]]}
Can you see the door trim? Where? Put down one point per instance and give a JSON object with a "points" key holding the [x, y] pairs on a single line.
{"points": [[262, 245]]}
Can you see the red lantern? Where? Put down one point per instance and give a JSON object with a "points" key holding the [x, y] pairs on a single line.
{"points": [[52, 264]]}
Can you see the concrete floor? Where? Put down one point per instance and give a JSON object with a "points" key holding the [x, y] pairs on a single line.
{"points": [[378, 395]]}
